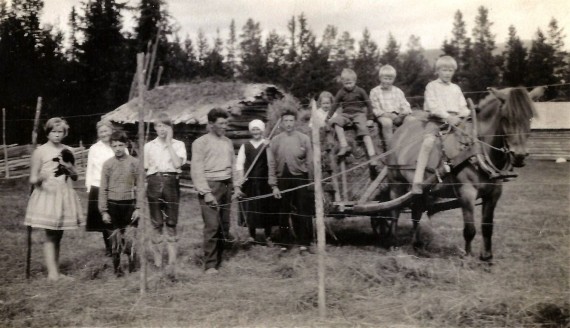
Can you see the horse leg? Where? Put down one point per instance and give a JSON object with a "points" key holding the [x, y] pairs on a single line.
{"points": [[416, 217], [393, 222], [468, 196], [489, 204]]}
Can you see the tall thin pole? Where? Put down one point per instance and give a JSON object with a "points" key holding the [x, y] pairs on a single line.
{"points": [[141, 176], [153, 57], [6, 165], [34, 144], [319, 198], [36, 123]]}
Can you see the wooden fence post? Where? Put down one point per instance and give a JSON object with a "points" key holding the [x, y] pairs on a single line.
{"points": [[6, 164], [29, 228], [319, 210], [141, 174]]}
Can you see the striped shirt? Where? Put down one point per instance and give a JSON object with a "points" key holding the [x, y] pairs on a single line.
{"points": [[118, 180], [389, 100], [442, 99]]}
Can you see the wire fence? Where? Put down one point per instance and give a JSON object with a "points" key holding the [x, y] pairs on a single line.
{"points": [[303, 105]]}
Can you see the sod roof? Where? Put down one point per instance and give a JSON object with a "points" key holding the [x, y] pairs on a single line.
{"points": [[189, 103]]}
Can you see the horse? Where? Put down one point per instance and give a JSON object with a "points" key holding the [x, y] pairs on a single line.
{"points": [[482, 162]]}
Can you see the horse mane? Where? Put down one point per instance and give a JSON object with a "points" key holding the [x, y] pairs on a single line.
{"points": [[517, 113]]}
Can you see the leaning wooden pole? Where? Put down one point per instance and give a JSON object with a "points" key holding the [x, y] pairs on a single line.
{"points": [[319, 207], [6, 164], [34, 144], [141, 176], [153, 58]]}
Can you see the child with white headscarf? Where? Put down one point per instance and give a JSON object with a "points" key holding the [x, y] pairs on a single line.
{"points": [[255, 213]]}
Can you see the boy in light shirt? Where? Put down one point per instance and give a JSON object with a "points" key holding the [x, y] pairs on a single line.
{"points": [[389, 103], [445, 103]]}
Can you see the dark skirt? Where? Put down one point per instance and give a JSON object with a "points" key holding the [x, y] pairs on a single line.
{"points": [[259, 213], [94, 220]]}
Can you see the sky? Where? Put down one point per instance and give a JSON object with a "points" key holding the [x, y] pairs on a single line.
{"points": [[430, 20]]}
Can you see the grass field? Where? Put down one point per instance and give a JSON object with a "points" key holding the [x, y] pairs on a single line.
{"points": [[367, 286]]}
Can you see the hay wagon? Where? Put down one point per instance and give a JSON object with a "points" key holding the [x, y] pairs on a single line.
{"points": [[353, 189]]}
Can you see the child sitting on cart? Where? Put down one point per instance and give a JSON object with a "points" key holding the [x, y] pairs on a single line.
{"points": [[356, 110], [389, 104]]}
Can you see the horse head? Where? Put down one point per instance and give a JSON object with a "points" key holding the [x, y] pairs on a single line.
{"points": [[507, 114]]}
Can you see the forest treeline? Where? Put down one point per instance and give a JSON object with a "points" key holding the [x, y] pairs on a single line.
{"points": [[89, 68]]}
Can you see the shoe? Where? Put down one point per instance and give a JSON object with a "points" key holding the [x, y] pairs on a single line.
{"points": [[283, 249], [211, 271], [119, 272], [343, 151], [302, 249]]}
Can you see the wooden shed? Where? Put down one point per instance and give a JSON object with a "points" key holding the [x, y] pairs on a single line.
{"points": [[550, 131], [188, 105]]}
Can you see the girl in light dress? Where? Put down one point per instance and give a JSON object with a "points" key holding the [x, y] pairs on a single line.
{"points": [[324, 104], [54, 205]]}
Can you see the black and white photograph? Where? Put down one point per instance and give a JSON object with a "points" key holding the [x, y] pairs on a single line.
{"points": [[285, 163]]}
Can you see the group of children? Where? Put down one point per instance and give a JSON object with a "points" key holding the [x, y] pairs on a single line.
{"points": [[387, 104], [111, 177]]}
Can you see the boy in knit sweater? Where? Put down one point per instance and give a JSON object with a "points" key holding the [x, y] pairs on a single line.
{"points": [[356, 109], [117, 197]]}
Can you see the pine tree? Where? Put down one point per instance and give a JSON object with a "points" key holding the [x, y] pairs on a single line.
{"points": [[459, 33], [292, 28], [149, 20], [367, 62], [315, 74], [345, 55], [107, 72], [305, 37], [203, 47], [253, 60], [231, 50], [214, 63], [73, 50], [328, 43], [483, 71], [415, 71], [275, 50], [390, 54], [514, 68], [555, 38], [541, 64]]}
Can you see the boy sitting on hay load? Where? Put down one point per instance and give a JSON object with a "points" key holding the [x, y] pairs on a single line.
{"points": [[356, 110], [389, 104]]}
